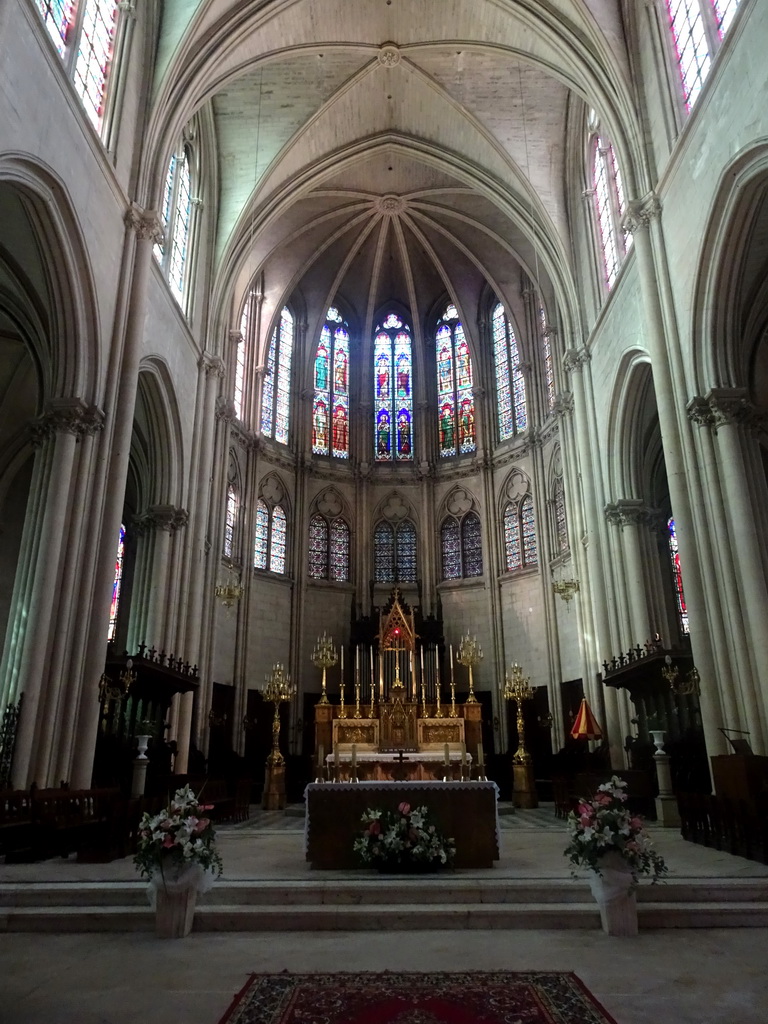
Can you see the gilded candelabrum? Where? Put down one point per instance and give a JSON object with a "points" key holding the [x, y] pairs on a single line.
{"points": [[470, 654], [108, 690], [277, 688], [690, 686], [324, 656], [518, 690]]}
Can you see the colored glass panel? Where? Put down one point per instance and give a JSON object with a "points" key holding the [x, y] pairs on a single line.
{"points": [[471, 545], [512, 549], [321, 362], [528, 524], [451, 545], [268, 388], [510, 381], [601, 186], [261, 535], [561, 523], [393, 391], [455, 398], [159, 247], [549, 366], [117, 584], [277, 540], [230, 522], [339, 551], [692, 49], [58, 17], [320, 427], [406, 552], [180, 234], [340, 430], [94, 56], [725, 11], [318, 548], [384, 553], [677, 578], [283, 396]]}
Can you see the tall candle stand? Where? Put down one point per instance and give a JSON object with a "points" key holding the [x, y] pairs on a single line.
{"points": [[372, 707], [277, 689], [324, 656], [518, 689], [470, 654], [342, 705], [358, 713]]}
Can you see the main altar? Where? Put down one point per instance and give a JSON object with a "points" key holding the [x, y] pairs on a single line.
{"points": [[397, 726]]}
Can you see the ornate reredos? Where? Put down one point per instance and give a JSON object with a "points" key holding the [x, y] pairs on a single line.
{"points": [[396, 628]]}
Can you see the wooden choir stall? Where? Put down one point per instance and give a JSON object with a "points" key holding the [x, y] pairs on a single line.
{"points": [[397, 741]]}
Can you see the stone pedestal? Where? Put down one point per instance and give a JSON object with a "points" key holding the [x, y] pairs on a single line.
{"points": [[273, 797], [667, 812], [524, 787], [139, 779], [174, 912]]}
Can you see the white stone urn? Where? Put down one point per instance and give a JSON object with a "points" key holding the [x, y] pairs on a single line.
{"points": [[613, 889], [658, 738], [143, 743]]}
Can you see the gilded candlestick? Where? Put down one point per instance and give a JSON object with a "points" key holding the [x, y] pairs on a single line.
{"points": [[342, 707], [454, 713], [324, 656], [277, 688], [358, 713], [517, 689], [470, 654]]}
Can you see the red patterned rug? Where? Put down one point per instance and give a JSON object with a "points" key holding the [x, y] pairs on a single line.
{"points": [[515, 997]]}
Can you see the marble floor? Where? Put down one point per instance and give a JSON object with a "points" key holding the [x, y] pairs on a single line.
{"points": [[671, 976]]}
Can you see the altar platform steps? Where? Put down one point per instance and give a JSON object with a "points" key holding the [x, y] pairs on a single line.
{"points": [[365, 905]]}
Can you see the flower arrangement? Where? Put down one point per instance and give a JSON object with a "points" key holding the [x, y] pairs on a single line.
{"points": [[403, 839], [178, 837], [604, 825]]}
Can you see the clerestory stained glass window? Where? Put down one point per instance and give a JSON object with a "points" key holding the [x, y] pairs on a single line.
{"points": [[455, 395], [384, 553], [330, 413], [172, 253], [242, 348], [276, 390], [520, 547], [393, 390], [261, 538], [230, 521], [270, 537], [610, 206], [405, 552], [462, 547], [318, 548], [510, 381], [117, 584], [450, 539], [394, 552], [328, 549], [677, 578], [561, 523], [277, 540], [549, 363]]}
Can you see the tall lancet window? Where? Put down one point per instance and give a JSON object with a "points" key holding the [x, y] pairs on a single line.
{"points": [[172, 254], [510, 382], [393, 390], [549, 363], [276, 392], [242, 349], [677, 578], [269, 537], [610, 205], [455, 395], [330, 410], [117, 584], [698, 28], [520, 535], [394, 552], [230, 522]]}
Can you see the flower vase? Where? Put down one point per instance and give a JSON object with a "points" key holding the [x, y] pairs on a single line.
{"points": [[613, 889], [174, 912]]}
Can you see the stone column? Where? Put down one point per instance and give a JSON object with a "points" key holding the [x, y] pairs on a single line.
{"points": [[629, 515], [158, 524], [640, 216]]}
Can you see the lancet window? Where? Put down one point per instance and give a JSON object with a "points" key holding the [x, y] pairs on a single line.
{"points": [[328, 549], [117, 584], [330, 410], [270, 537], [561, 522], [549, 363], [276, 390], [698, 28], [462, 548], [243, 345], [83, 31], [230, 522], [393, 390], [510, 381], [520, 546], [609, 202], [677, 577], [455, 395], [172, 254], [394, 552]]}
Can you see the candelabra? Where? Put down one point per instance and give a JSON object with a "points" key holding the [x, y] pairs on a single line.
{"points": [[229, 593], [342, 705], [324, 656], [470, 654], [688, 687], [565, 589], [358, 713], [517, 689], [109, 690], [277, 688]]}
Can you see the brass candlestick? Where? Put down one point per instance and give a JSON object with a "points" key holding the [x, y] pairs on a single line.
{"points": [[342, 707], [470, 654], [357, 713], [371, 711], [277, 688], [517, 689], [324, 656]]}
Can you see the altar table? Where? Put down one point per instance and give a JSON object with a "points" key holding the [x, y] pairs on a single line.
{"points": [[465, 811]]}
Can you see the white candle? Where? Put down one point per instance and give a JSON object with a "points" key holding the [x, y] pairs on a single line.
{"points": [[320, 755], [447, 756], [451, 650], [342, 661], [480, 760]]}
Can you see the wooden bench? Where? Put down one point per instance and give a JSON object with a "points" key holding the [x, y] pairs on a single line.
{"points": [[46, 823]]}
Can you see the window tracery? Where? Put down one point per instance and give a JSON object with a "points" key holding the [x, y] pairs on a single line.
{"points": [[172, 253], [520, 546], [461, 545], [455, 395], [510, 381], [230, 522], [394, 552], [677, 578], [393, 390], [328, 548], [269, 544], [698, 28], [330, 410], [609, 202], [276, 389]]}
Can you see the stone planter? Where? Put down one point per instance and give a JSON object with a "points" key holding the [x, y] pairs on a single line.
{"points": [[174, 912], [613, 890]]}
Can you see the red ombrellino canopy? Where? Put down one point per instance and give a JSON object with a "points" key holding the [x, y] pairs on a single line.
{"points": [[585, 727]]}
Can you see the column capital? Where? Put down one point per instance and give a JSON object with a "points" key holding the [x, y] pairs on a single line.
{"points": [[628, 512], [235, 337], [161, 517], [725, 406], [211, 365], [574, 359], [563, 403], [640, 212], [67, 416], [145, 223], [225, 409]]}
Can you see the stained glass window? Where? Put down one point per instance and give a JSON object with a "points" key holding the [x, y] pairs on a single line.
{"points": [[117, 584], [339, 553], [84, 32], [394, 552], [328, 549], [276, 390], [177, 223], [277, 540], [561, 523], [242, 347], [230, 522], [677, 578], [687, 20], [393, 390], [455, 396], [725, 11], [608, 192], [549, 363], [260, 544], [330, 415], [318, 548], [520, 535], [510, 381], [462, 547]]}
